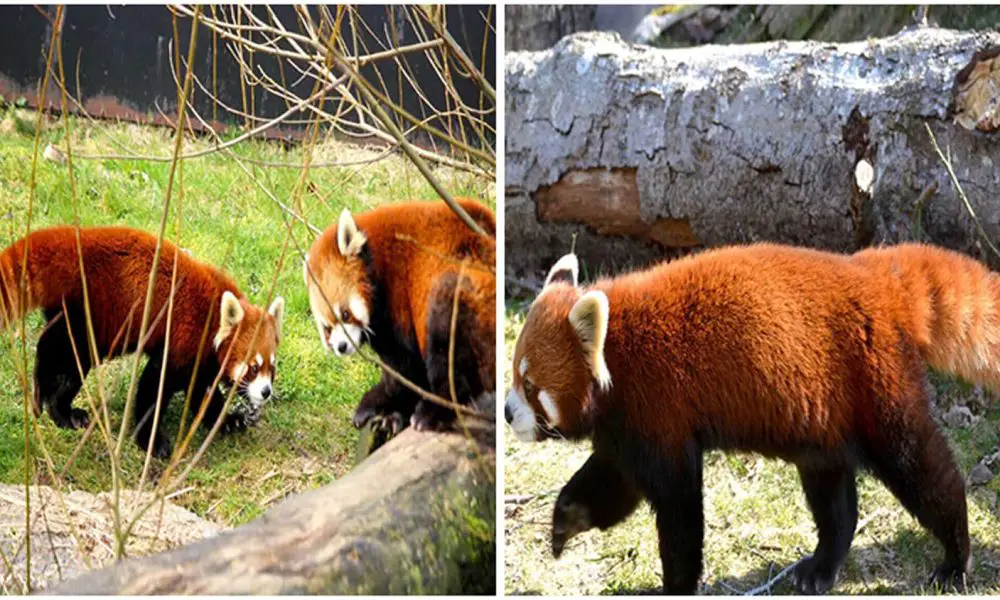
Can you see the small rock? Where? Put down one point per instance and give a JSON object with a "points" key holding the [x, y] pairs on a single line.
{"points": [[980, 474], [54, 154], [958, 416]]}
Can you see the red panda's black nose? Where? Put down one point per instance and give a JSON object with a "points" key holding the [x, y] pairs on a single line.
{"points": [[508, 414], [266, 392], [342, 347]]}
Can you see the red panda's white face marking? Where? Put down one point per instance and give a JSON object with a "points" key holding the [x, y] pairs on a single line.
{"points": [[338, 285], [559, 358], [252, 362]]}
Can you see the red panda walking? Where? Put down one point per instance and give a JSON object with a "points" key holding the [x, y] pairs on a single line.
{"points": [[118, 262], [812, 357], [388, 277]]}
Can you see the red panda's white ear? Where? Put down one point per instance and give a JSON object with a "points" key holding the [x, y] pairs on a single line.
{"points": [[589, 318], [566, 269], [230, 315], [350, 239], [277, 310]]}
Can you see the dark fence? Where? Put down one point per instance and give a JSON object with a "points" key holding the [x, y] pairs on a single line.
{"points": [[122, 55]]}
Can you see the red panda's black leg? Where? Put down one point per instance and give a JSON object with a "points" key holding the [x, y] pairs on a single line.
{"points": [[145, 405], [463, 370], [57, 374], [598, 495], [671, 481], [833, 499], [915, 463]]}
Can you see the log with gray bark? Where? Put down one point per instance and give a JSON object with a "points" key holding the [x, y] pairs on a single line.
{"points": [[416, 517], [647, 152]]}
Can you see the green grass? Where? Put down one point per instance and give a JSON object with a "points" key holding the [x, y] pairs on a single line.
{"points": [[305, 438], [756, 519]]}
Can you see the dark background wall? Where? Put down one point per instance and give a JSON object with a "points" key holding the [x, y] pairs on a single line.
{"points": [[124, 59]]}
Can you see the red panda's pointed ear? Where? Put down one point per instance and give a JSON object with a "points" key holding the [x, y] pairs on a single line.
{"points": [[350, 239], [277, 310], [566, 270], [589, 318], [230, 315]]}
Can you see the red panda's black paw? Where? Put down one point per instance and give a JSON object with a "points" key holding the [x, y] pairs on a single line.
{"points": [[568, 519], [363, 415], [431, 417], [389, 424], [812, 578], [78, 418], [947, 577], [234, 422], [161, 447]]}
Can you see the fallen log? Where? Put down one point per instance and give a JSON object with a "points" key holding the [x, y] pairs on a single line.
{"points": [[647, 153], [416, 517]]}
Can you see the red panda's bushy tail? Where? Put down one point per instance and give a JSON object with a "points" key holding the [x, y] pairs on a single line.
{"points": [[949, 303]]}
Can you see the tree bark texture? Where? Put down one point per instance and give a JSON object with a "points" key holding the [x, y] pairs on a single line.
{"points": [[417, 517], [647, 153]]}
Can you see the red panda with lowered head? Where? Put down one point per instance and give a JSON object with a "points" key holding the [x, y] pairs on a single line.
{"points": [[118, 261], [812, 357], [387, 277]]}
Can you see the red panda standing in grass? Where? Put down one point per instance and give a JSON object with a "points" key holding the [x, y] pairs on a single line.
{"points": [[388, 277], [812, 357], [118, 261]]}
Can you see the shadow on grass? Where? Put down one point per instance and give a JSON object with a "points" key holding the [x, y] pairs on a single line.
{"points": [[900, 566]]}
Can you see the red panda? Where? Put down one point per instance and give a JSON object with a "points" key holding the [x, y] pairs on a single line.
{"points": [[812, 357], [388, 277], [118, 261]]}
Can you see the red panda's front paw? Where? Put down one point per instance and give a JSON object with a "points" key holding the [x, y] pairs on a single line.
{"points": [[234, 422], [813, 578], [947, 576], [429, 416], [363, 415], [568, 519]]}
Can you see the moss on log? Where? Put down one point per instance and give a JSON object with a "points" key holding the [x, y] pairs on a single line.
{"points": [[416, 517]]}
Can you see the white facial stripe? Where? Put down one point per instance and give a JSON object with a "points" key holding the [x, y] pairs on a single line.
{"points": [[239, 371], [523, 367], [359, 309], [550, 407], [340, 340], [260, 360], [255, 390], [522, 417], [274, 359]]}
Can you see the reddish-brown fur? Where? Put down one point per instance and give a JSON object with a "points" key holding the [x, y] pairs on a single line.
{"points": [[118, 262], [417, 242], [814, 357], [413, 249]]}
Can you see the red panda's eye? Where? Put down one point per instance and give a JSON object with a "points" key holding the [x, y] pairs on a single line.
{"points": [[345, 316], [528, 387]]}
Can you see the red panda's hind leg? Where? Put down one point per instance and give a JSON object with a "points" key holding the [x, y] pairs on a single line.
{"points": [[57, 374], [910, 455], [833, 499], [598, 495], [462, 369]]}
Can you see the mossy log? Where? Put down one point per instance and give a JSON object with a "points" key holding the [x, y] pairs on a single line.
{"points": [[649, 153], [416, 517]]}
